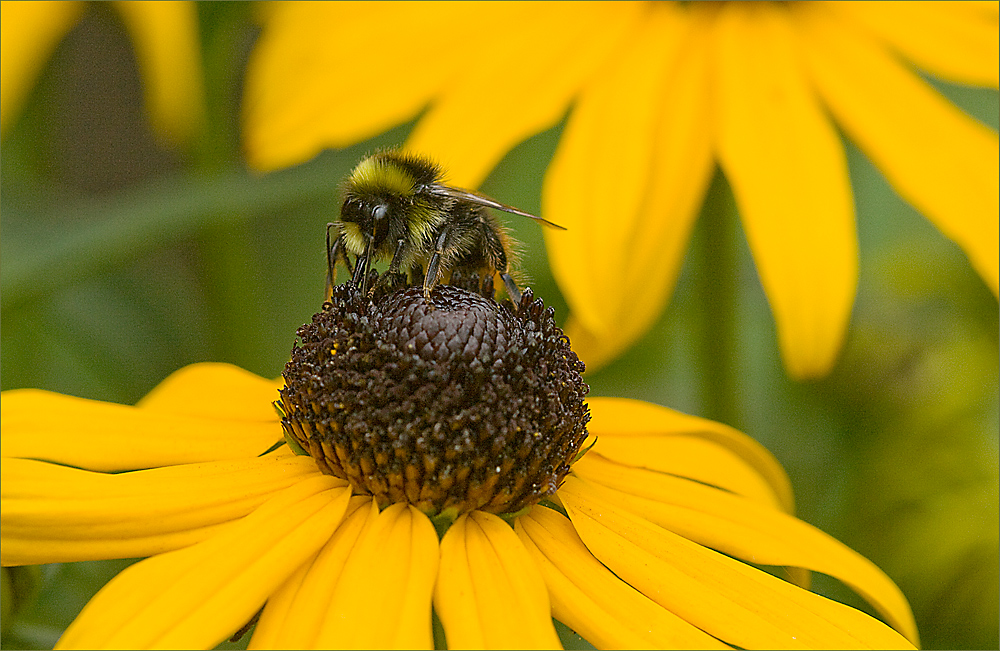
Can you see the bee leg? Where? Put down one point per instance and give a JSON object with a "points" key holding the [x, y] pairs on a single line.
{"points": [[397, 257], [433, 269], [496, 258], [331, 273], [360, 276], [512, 290], [393, 270], [333, 250], [486, 288], [434, 265], [416, 275]]}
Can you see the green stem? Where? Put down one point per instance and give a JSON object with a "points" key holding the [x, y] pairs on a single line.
{"points": [[718, 275], [115, 230], [232, 266]]}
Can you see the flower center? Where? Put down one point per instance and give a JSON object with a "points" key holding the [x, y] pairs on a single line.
{"points": [[452, 404]]}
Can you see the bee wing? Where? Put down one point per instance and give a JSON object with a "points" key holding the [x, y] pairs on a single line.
{"points": [[482, 200]]}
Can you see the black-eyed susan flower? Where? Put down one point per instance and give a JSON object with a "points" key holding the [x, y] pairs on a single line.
{"points": [[451, 472], [165, 38], [658, 94]]}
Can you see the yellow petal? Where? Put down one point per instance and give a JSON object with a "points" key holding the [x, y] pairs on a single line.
{"points": [[645, 435], [587, 597], [627, 180], [743, 529], [393, 564], [294, 615], [214, 390], [168, 50], [528, 61], [29, 32], [936, 157], [108, 437], [728, 599], [944, 38], [329, 74], [54, 514], [197, 596], [275, 622], [789, 175], [489, 592]]}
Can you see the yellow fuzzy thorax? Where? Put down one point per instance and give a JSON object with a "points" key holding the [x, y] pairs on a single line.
{"points": [[375, 174]]}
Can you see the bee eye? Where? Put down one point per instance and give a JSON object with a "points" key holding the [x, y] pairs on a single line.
{"points": [[379, 212], [350, 210]]}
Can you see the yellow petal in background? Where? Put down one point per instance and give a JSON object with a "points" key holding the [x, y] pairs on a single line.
{"points": [[214, 390], [936, 157], [732, 601], [29, 32], [644, 435], [393, 564], [680, 172], [489, 593], [320, 76], [55, 514], [197, 596], [168, 50], [788, 171], [742, 529], [483, 111], [944, 38], [108, 437], [595, 603], [617, 197]]}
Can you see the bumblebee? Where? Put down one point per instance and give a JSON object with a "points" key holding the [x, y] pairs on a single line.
{"points": [[396, 207]]}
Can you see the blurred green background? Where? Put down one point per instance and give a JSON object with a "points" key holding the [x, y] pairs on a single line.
{"points": [[122, 261]]}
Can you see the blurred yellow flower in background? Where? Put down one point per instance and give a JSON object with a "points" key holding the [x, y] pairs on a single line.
{"points": [[168, 52], [650, 546], [657, 94]]}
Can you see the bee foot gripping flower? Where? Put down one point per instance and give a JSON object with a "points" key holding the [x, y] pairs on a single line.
{"points": [[450, 404]]}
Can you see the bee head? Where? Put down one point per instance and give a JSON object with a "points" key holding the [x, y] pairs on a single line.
{"points": [[366, 217], [384, 201]]}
